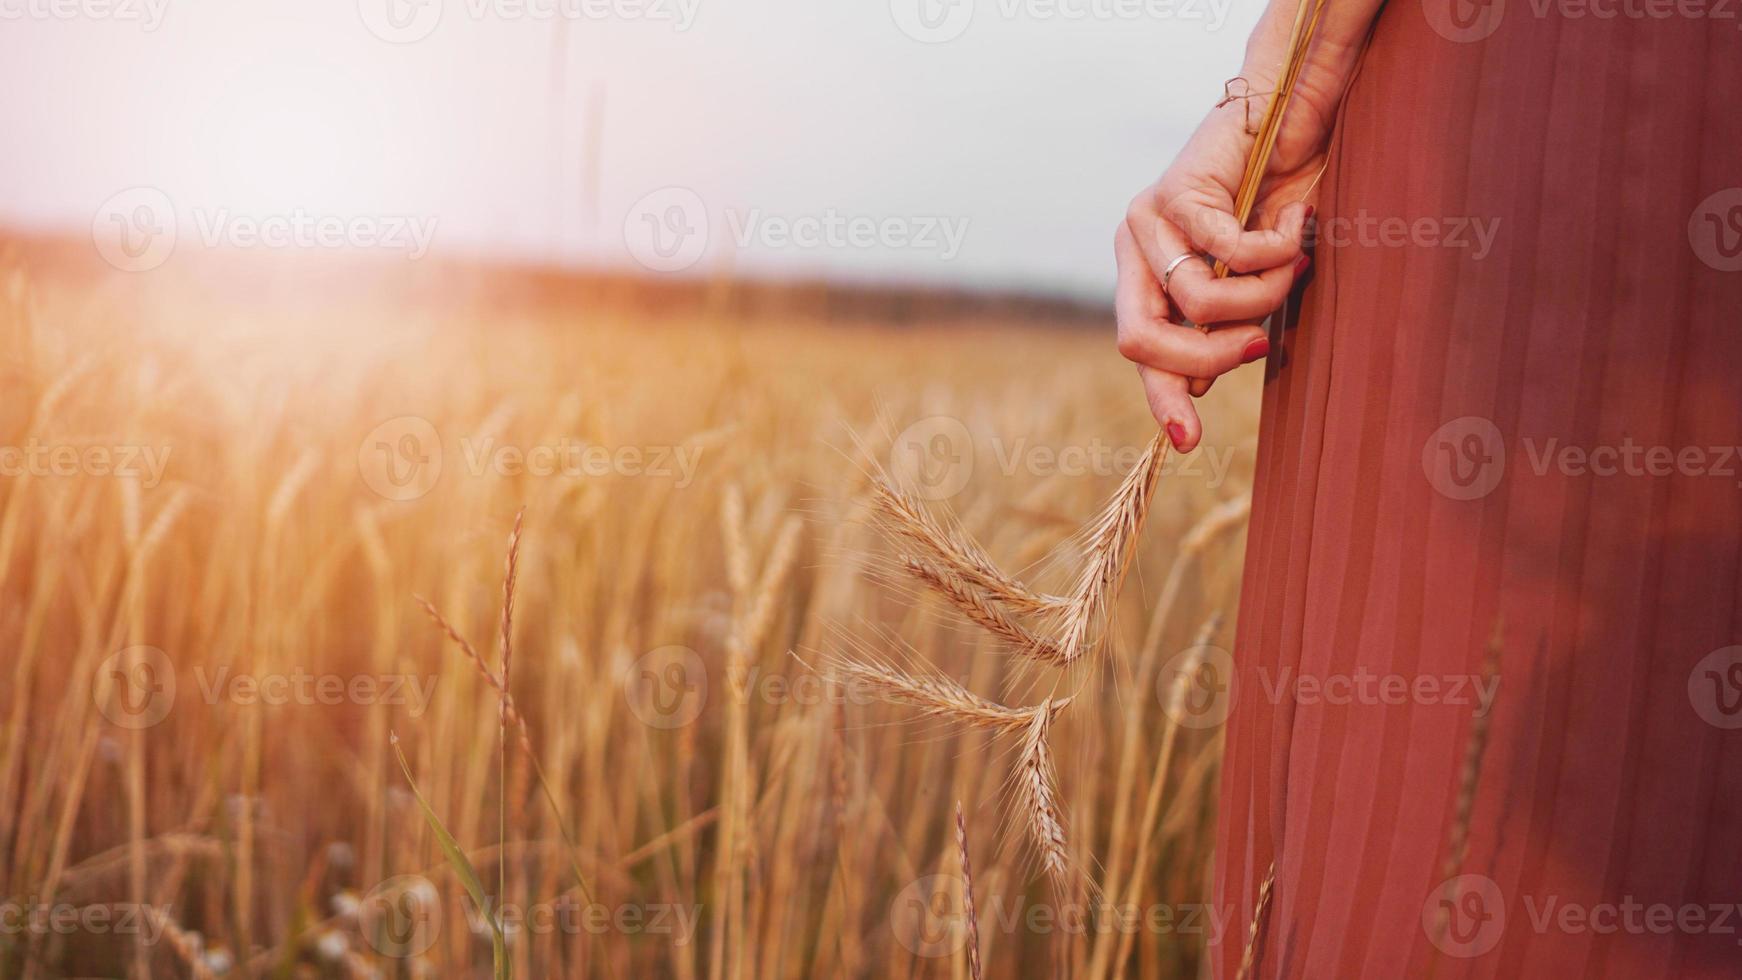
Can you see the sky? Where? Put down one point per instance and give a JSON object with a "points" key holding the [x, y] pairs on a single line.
{"points": [[974, 143]]}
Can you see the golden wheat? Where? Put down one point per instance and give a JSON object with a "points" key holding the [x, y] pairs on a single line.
{"points": [[266, 551]]}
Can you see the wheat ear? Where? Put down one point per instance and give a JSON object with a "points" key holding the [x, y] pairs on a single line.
{"points": [[969, 917], [1255, 935], [983, 610], [1037, 792], [907, 518], [1112, 542], [935, 695], [509, 713]]}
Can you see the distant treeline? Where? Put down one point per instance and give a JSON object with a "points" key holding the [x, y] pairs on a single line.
{"points": [[310, 277]]}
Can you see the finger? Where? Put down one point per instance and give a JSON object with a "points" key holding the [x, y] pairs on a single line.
{"points": [[1172, 408], [1202, 298], [1194, 288], [1147, 337], [1212, 229], [1137, 292], [1188, 351]]}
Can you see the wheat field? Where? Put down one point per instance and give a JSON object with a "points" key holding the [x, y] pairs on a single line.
{"points": [[224, 507]]}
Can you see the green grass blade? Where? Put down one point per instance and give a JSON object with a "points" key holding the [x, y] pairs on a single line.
{"points": [[462, 866]]}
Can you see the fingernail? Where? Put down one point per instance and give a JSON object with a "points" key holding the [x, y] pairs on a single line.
{"points": [[1310, 212], [1255, 350], [1301, 265], [1177, 433]]}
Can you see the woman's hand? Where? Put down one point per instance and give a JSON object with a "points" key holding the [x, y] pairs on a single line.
{"points": [[1190, 212]]}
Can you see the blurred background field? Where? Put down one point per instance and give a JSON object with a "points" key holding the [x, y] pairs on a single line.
{"points": [[209, 654]]}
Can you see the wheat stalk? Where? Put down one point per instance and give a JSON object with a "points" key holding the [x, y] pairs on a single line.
{"points": [[936, 695], [960, 571], [956, 551], [508, 712], [1469, 780], [510, 570], [983, 610], [1470, 775], [1112, 539], [483, 669], [1038, 796], [1255, 935], [187, 947], [969, 918]]}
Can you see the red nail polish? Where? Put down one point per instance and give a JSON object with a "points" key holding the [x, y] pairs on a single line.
{"points": [[1177, 433], [1310, 212], [1255, 350], [1301, 265]]}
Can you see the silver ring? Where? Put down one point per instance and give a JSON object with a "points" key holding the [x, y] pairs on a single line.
{"points": [[1167, 273]]}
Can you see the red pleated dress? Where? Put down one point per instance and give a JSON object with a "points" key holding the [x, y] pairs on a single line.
{"points": [[1508, 404]]}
